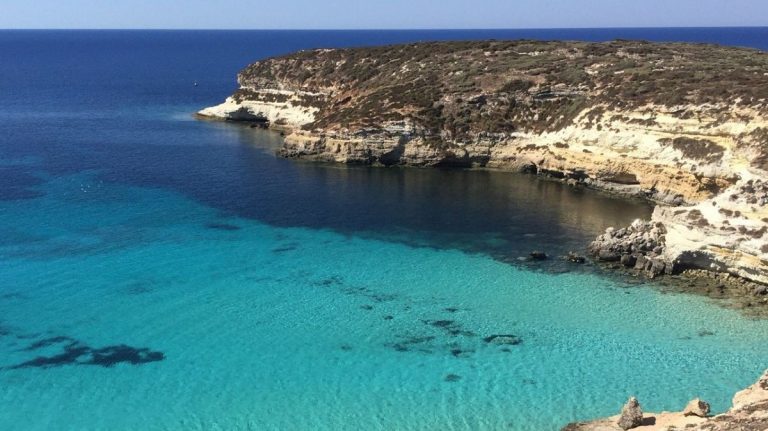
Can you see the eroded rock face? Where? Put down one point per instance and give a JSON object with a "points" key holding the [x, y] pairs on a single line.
{"points": [[728, 233], [639, 246], [276, 107], [625, 117]]}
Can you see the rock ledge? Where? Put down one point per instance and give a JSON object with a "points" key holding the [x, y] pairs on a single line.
{"points": [[749, 413]]}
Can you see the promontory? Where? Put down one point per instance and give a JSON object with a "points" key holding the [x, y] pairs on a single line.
{"points": [[684, 125]]}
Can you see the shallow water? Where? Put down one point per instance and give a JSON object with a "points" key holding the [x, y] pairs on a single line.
{"points": [[163, 273]]}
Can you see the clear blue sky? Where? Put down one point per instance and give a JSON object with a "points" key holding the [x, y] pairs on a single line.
{"points": [[346, 14]]}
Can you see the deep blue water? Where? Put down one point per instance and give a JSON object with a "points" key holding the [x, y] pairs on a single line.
{"points": [[158, 272]]}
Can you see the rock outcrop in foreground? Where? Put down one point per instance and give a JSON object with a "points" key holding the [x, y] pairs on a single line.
{"points": [[749, 413], [681, 124]]}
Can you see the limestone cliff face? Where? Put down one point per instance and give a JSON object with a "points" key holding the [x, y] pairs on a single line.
{"points": [[679, 124], [727, 233]]}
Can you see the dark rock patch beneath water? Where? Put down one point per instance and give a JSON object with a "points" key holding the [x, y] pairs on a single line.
{"points": [[504, 340], [538, 255], [360, 291], [330, 281], [46, 342], [285, 248], [139, 288], [452, 378], [369, 294], [417, 343], [17, 184], [74, 352], [222, 226], [459, 352], [451, 327]]}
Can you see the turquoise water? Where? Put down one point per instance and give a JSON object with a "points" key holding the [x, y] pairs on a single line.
{"points": [[159, 273], [263, 327]]}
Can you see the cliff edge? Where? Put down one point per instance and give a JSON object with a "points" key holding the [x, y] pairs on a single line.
{"points": [[685, 125]]}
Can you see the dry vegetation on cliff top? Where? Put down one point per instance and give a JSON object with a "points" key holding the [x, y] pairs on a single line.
{"points": [[455, 89]]}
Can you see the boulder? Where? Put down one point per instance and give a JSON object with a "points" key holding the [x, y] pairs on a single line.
{"points": [[628, 260], [641, 262], [747, 414], [697, 407], [631, 415], [655, 267], [608, 256]]}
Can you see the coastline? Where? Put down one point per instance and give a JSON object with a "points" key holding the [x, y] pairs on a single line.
{"points": [[362, 297], [727, 290], [749, 412], [701, 162]]}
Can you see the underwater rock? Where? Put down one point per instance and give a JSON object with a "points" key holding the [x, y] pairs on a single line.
{"points": [[452, 378], [76, 353], [538, 255], [504, 339], [222, 226], [575, 258]]}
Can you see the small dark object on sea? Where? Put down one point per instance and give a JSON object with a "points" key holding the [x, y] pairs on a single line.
{"points": [[575, 258], [538, 255]]}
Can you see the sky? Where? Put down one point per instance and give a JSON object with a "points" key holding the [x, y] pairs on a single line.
{"points": [[378, 14]]}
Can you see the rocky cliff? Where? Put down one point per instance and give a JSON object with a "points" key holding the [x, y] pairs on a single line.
{"points": [[681, 124]]}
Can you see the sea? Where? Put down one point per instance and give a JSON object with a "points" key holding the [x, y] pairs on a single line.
{"points": [[163, 273]]}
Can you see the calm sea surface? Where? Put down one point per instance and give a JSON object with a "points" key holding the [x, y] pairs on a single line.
{"points": [[161, 273]]}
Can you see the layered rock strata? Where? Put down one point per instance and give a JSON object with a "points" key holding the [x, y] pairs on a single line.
{"points": [[680, 124]]}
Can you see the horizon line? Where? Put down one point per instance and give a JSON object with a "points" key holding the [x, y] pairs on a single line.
{"points": [[385, 29]]}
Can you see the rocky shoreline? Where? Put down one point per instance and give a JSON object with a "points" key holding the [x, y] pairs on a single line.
{"points": [[624, 117], [748, 413]]}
